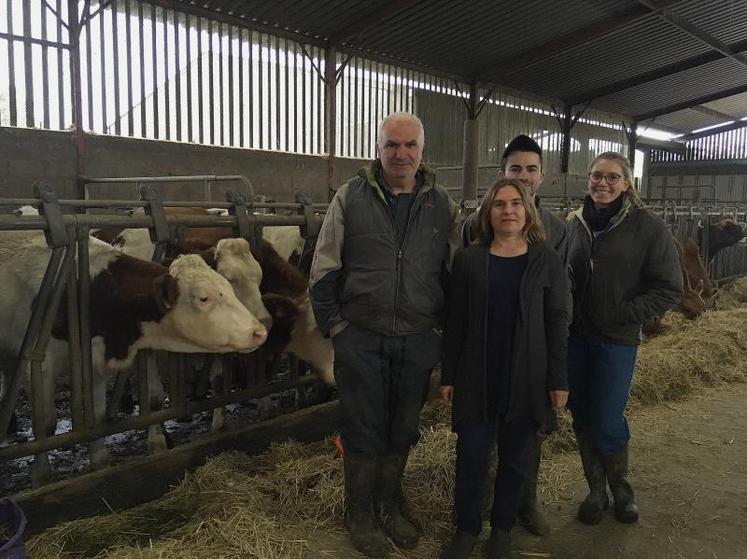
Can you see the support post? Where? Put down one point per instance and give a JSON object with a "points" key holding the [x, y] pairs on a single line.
{"points": [[330, 115], [566, 124], [632, 135], [74, 29], [469, 151]]}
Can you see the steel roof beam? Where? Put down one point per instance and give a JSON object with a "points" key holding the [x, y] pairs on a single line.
{"points": [[370, 20], [712, 132], [684, 25], [692, 102], [652, 75], [716, 114], [513, 64]]}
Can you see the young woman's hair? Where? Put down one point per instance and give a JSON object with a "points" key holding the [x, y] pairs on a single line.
{"points": [[627, 170], [533, 230]]}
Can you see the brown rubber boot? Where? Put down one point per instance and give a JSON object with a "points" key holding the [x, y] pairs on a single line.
{"points": [[360, 520], [590, 511], [403, 532], [616, 468]]}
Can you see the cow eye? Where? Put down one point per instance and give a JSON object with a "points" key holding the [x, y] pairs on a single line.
{"points": [[203, 299]]}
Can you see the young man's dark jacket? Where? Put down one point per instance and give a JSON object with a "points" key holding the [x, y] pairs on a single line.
{"points": [[538, 362], [362, 274], [626, 274]]}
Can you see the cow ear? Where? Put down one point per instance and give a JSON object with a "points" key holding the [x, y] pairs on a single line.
{"points": [[209, 257], [167, 291]]}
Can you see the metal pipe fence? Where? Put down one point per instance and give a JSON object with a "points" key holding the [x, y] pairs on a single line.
{"points": [[67, 271]]}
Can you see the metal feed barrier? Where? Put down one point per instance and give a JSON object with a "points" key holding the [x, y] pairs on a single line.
{"points": [[67, 235]]}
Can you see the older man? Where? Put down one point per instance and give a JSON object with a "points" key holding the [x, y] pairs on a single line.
{"points": [[376, 288]]}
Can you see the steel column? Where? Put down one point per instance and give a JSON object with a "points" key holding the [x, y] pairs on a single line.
{"points": [[330, 114], [74, 28], [469, 150]]}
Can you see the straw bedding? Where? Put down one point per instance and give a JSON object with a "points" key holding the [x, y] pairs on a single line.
{"points": [[284, 503]]}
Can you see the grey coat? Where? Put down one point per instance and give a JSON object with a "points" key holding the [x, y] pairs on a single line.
{"points": [[623, 276], [362, 274]]}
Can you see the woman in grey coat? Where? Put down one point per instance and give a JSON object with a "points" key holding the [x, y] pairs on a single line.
{"points": [[504, 364], [625, 270]]}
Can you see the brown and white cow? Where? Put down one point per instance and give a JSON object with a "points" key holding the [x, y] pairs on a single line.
{"points": [[134, 304], [278, 277]]}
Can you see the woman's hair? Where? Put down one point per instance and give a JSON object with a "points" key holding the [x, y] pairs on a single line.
{"points": [[533, 230], [627, 170]]}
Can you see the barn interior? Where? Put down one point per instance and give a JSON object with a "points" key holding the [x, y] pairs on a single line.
{"points": [[262, 109]]}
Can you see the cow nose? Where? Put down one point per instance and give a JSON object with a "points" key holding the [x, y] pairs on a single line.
{"points": [[260, 334], [266, 322]]}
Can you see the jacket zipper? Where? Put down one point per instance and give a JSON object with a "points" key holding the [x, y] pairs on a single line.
{"points": [[398, 262]]}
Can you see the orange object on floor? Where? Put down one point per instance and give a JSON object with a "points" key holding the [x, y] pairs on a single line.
{"points": [[338, 445]]}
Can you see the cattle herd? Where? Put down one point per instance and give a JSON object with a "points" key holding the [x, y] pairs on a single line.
{"points": [[210, 293]]}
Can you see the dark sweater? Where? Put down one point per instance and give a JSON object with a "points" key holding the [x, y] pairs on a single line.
{"points": [[538, 355], [504, 280]]}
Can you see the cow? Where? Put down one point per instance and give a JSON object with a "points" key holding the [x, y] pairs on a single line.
{"points": [[278, 277], [698, 293], [134, 304], [232, 258], [725, 233]]}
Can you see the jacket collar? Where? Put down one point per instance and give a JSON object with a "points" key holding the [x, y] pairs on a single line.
{"points": [[370, 173], [616, 220]]}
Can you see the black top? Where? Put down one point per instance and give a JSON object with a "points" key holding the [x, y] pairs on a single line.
{"points": [[504, 279]]}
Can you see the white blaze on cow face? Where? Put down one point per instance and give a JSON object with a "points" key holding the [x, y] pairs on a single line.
{"points": [[207, 313], [285, 239], [235, 262]]}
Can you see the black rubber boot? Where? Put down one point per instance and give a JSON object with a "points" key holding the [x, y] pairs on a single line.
{"points": [[461, 546], [499, 545], [396, 524], [616, 467], [590, 511], [360, 520], [530, 515]]}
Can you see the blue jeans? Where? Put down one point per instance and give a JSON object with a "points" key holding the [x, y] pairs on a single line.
{"points": [[599, 378]]}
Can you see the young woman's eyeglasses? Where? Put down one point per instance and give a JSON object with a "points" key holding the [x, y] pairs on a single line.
{"points": [[611, 178]]}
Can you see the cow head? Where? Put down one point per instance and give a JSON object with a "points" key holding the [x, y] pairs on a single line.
{"points": [[235, 262], [725, 233], [693, 304], [204, 312]]}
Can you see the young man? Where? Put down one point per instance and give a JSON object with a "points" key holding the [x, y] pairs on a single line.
{"points": [[522, 160], [376, 288]]}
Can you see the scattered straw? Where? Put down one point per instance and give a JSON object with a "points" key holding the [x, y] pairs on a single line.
{"points": [[287, 503]]}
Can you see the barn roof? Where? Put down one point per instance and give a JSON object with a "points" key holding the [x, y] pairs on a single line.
{"points": [[681, 64]]}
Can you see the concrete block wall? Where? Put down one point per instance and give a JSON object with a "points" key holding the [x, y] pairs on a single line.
{"points": [[28, 155], [727, 178]]}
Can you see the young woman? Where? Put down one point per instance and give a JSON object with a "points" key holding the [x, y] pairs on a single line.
{"points": [[625, 270], [505, 359]]}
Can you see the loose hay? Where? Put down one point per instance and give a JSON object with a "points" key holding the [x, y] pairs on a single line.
{"points": [[288, 502]]}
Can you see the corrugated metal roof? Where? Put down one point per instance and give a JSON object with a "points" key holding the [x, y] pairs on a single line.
{"points": [[735, 106], [561, 51], [683, 120]]}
